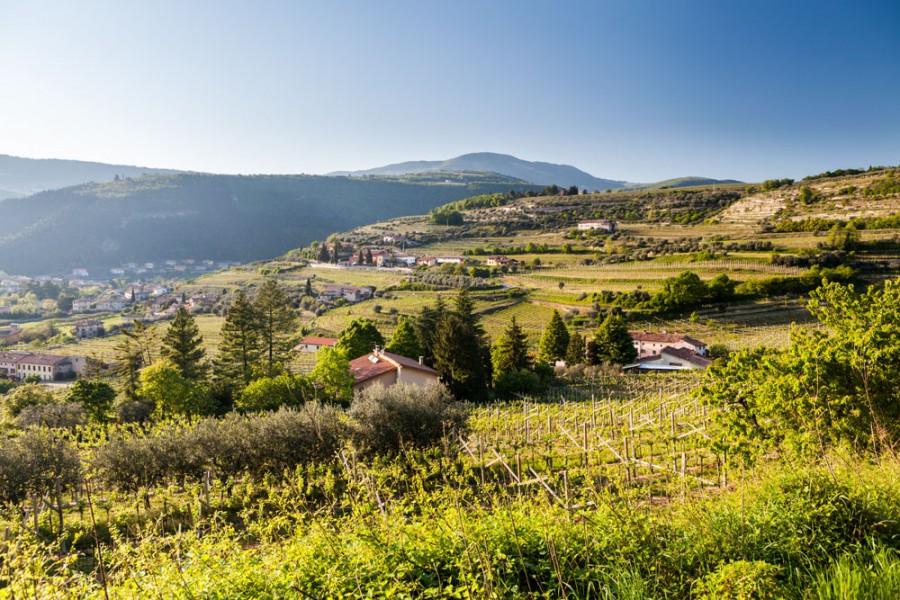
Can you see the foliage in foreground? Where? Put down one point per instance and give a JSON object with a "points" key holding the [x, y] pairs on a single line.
{"points": [[793, 532]]}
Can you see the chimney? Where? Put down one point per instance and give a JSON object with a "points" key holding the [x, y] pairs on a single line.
{"points": [[376, 349], [421, 360]]}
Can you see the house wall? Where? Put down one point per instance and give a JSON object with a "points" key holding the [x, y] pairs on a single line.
{"points": [[651, 348], [386, 379], [415, 377]]}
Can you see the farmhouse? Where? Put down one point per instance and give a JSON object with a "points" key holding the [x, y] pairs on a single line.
{"points": [[87, 329], [598, 224], [501, 261], [350, 293], [385, 368], [670, 359], [82, 304], [113, 304], [312, 343], [648, 344], [49, 367]]}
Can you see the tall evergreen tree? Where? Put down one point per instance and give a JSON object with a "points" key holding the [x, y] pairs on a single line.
{"points": [[404, 341], [460, 352], [369, 259], [324, 256], [554, 340], [359, 337], [241, 346], [575, 351], [509, 352], [426, 326], [182, 344], [277, 322], [129, 360], [612, 343], [308, 289]]}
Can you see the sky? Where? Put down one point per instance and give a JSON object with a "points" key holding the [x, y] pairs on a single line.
{"points": [[636, 90]]}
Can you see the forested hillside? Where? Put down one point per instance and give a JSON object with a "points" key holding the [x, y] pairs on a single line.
{"points": [[219, 217]]}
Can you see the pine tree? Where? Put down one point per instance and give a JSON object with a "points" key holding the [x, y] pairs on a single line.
{"points": [[554, 341], [509, 352], [612, 343], [182, 344], [324, 256], [308, 290], [369, 259], [575, 351], [277, 322], [404, 342], [460, 352], [241, 346]]}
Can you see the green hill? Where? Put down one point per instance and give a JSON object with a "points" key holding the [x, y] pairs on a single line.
{"points": [[218, 217]]}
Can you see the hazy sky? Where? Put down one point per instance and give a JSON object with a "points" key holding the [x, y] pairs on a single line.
{"points": [[633, 89]]}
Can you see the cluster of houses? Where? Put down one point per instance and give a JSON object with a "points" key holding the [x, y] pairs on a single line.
{"points": [[18, 365], [168, 267], [157, 300], [657, 352]]}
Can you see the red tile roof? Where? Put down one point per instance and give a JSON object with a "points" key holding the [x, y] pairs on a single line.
{"points": [[319, 341], [365, 367], [668, 338]]}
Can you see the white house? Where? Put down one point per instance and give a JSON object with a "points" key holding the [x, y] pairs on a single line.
{"points": [[601, 224], [313, 343], [648, 344], [670, 359]]}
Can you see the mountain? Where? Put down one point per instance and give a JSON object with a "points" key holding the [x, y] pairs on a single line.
{"points": [[541, 173], [680, 182], [219, 217], [25, 176]]}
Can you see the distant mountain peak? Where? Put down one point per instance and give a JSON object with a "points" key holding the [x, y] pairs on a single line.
{"points": [[541, 173]]}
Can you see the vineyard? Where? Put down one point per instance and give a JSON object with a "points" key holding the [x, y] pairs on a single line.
{"points": [[605, 488]]}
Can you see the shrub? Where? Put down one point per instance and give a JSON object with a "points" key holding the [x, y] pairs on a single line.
{"points": [[62, 415], [389, 418], [741, 580], [24, 396]]}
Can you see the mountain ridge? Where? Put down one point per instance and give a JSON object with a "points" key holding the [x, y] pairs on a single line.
{"points": [[203, 216], [537, 172], [20, 176]]}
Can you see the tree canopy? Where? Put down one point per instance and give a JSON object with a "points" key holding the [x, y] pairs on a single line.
{"points": [[359, 337]]}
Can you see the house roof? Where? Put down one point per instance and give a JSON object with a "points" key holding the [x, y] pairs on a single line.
{"points": [[44, 359], [380, 362], [681, 353], [29, 358], [667, 338], [319, 341]]}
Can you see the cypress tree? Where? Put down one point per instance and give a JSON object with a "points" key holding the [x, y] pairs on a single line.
{"points": [[575, 351], [182, 344], [554, 341]]}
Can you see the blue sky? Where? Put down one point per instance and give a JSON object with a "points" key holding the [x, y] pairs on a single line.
{"points": [[640, 90]]}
